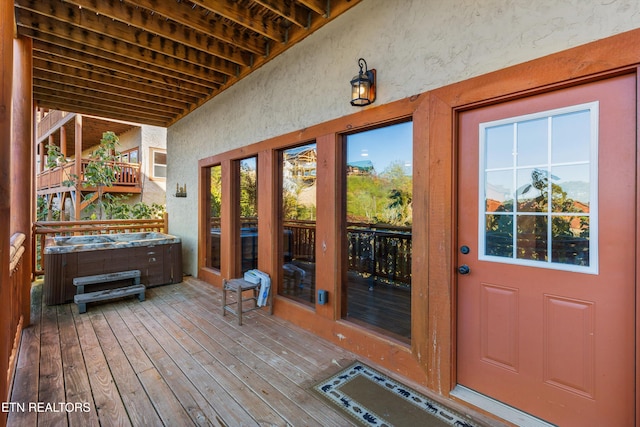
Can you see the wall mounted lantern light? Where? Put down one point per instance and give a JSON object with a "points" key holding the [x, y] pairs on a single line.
{"points": [[363, 86]]}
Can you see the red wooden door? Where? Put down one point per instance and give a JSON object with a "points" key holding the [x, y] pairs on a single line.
{"points": [[546, 305]]}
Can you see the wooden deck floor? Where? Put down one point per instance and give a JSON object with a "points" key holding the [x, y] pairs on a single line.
{"points": [[171, 360]]}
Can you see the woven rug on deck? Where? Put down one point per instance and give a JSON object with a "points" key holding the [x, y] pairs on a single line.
{"points": [[373, 399]]}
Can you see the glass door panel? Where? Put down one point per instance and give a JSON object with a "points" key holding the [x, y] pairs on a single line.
{"points": [[215, 204], [248, 213], [545, 163], [298, 166], [378, 176]]}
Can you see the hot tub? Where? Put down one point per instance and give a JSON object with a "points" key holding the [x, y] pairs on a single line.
{"points": [[158, 256]]}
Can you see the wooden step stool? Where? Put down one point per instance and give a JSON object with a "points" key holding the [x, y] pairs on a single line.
{"points": [[81, 298], [239, 286]]}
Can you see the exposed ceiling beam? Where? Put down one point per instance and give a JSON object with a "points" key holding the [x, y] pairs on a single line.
{"points": [[159, 64], [138, 79], [127, 14], [59, 91], [115, 84], [155, 61], [245, 17], [102, 32], [287, 10], [210, 24]]}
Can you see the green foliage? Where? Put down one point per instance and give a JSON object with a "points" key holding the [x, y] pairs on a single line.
{"points": [[216, 191], [54, 156], [248, 192], [41, 209], [101, 171], [384, 198], [115, 207]]}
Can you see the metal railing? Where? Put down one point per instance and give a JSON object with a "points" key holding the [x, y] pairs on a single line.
{"points": [[379, 250]]}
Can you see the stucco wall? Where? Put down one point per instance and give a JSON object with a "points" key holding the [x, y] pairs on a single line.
{"points": [[415, 45], [154, 190]]}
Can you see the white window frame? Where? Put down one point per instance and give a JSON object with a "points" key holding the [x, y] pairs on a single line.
{"points": [[152, 164], [592, 268]]}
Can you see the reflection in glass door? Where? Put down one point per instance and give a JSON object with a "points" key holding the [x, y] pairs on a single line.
{"points": [[299, 166], [378, 176], [215, 204], [248, 200], [539, 185]]}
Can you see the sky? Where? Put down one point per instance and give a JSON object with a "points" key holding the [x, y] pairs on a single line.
{"points": [[383, 146]]}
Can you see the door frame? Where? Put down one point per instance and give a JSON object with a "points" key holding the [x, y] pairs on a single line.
{"points": [[440, 108]]}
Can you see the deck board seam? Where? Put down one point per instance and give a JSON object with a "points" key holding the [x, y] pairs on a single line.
{"points": [[296, 391]]}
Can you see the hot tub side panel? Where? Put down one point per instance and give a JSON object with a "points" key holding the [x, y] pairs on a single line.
{"points": [[158, 265], [60, 270]]}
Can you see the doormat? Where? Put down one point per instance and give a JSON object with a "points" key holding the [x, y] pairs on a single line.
{"points": [[373, 399]]}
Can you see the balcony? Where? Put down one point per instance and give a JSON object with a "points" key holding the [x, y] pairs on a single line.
{"points": [[53, 180]]}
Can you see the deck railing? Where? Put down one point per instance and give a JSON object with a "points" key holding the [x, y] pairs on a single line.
{"points": [[129, 175], [49, 121], [382, 251], [47, 229], [378, 250], [14, 302]]}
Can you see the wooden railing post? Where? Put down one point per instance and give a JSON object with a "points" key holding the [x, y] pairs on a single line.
{"points": [[6, 84], [165, 219]]}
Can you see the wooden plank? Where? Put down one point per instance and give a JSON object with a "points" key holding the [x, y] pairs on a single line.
{"points": [[138, 406], [51, 387], [76, 381], [139, 18], [293, 372], [235, 389], [275, 334], [250, 390], [198, 408], [168, 358], [109, 406], [101, 33], [162, 398], [201, 382], [260, 362], [26, 383]]}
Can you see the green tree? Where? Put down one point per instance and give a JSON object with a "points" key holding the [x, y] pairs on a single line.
{"points": [[248, 191], [101, 171], [216, 191]]}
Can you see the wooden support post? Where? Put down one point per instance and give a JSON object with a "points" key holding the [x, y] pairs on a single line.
{"points": [[78, 169], [41, 150], [230, 242], [6, 83], [63, 141], [165, 220], [22, 162]]}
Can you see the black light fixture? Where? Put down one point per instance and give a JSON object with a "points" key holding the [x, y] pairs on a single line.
{"points": [[363, 86]]}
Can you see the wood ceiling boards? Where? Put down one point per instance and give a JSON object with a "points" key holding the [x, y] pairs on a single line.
{"points": [[154, 61]]}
